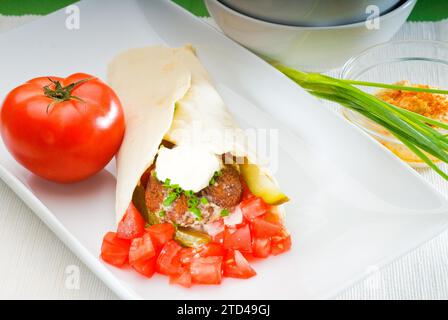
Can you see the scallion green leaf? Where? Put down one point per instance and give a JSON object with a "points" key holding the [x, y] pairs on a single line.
{"points": [[419, 133]]}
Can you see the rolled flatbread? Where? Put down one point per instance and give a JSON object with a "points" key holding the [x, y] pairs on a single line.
{"points": [[167, 95]]}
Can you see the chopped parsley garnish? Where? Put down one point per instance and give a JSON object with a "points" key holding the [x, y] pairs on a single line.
{"points": [[224, 213]]}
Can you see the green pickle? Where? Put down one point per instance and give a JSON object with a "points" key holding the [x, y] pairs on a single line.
{"points": [[139, 201], [262, 185], [191, 238]]}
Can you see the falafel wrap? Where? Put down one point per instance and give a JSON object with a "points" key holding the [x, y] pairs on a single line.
{"points": [[183, 159]]}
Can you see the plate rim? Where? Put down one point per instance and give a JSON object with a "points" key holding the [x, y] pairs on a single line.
{"points": [[118, 286]]}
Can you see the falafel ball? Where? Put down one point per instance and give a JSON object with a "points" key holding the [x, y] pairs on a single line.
{"points": [[227, 190], [154, 196]]}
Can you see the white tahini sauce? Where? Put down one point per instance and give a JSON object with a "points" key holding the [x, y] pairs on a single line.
{"points": [[190, 167]]}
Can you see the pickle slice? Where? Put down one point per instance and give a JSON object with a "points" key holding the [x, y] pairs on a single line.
{"points": [[262, 185], [139, 201], [191, 238]]}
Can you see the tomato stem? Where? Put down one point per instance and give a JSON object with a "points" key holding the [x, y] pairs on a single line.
{"points": [[60, 93]]}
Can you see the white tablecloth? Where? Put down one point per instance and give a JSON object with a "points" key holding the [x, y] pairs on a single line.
{"points": [[34, 262]]}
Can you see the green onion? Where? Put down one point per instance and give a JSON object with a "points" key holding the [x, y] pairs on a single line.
{"points": [[162, 213], [197, 213], [215, 176], [189, 193], [193, 201], [224, 213], [393, 86], [417, 132], [204, 200], [167, 183], [170, 199]]}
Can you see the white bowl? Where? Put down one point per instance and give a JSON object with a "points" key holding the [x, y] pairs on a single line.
{"points": [[307, 48], [309, 13]]}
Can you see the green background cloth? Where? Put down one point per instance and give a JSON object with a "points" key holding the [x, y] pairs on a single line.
{"points": [[425, 10]]}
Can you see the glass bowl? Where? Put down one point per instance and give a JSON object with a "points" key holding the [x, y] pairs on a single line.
{"points": [[419, 62]]}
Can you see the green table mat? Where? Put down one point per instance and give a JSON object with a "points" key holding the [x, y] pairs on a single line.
{"points": [[425, 10]]}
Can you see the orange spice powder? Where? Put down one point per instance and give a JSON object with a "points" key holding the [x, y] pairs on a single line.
{"points": [[431, 105]]}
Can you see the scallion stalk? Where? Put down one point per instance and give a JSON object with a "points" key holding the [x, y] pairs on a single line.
{"points": [[417, 132]]}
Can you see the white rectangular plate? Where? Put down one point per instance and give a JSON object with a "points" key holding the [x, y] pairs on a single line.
{"points": [[354, 206]]}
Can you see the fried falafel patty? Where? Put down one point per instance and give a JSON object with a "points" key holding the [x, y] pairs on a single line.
{"points": [[227, 190], [154, 196], [225, 193]]}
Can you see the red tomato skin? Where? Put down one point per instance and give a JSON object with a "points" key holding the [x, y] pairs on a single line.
{"points": [[280, 244], [71, 141], [265, 229], [115, 250], [261, 247], [161, 234], [218, 238], [253, 207], [236, 266], [146, 268], [211, 250], [247, 194], [273, 218], [206, 270], [186, 255], [183, 279], [132, 225], [238, 239], [168, 261], [141, 249]]}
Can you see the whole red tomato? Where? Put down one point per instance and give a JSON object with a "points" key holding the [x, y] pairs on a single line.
{"points": [[63, 130]]}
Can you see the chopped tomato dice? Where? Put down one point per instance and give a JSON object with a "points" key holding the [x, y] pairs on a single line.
{"points": [[168, 261], [141, 249], [115, 250], [273, 218], [281, 243], [238, 239], [218, 238], [236, 266], [265, 229], [186, 254], [206, 270], [183, 279], [161, 234], [145, 267], [207, 250], [132, 225], [211, 249], [253, 207], [247, 194], [261, 247]]}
